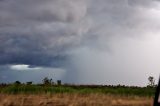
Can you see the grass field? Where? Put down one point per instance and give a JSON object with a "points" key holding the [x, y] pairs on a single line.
{"points": [[39, 89], [75, 95], [74, 99]]}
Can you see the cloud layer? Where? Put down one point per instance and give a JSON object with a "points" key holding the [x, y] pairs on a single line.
{"points": [[37, 32], [87, 38]]}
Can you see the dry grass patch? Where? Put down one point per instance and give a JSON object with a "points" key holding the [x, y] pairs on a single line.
{"points": [[74, 99]]}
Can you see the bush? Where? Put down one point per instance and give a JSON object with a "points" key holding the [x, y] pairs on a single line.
{"points": [[47, 81]]}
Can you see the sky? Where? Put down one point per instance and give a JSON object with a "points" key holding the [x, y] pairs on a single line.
{"points": [[80, 41]]}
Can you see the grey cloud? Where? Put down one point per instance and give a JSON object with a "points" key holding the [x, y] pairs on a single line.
{"points": [[122, 17], [37, 32], [114, 22], [145, 3], [53, 33], [20, 11]]}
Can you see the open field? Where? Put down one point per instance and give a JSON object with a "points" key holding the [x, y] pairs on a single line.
{"points": [[75, 99], [75, 95], [83, 89]]}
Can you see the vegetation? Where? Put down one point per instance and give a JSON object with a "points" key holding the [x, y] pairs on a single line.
{"points": [[50, 87], [74, 99], [47, 81], [50, 93], [84, 89], [151, 81]]}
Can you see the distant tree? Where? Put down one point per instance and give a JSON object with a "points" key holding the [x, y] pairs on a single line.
{"points": [[151, 81], [47, 81], [17, 82], [58, 82], [29, 83]]}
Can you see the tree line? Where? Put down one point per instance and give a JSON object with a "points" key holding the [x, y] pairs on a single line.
{"points": [[48, 81]]}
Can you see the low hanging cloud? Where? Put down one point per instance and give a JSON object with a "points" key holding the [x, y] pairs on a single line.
{"points": [[87, 38], [23, 67]]}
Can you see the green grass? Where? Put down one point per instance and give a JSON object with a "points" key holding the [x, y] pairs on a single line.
{"points": [[39, 89]]}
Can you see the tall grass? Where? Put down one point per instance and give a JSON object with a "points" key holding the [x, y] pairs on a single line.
{"points": [[52, 89]]}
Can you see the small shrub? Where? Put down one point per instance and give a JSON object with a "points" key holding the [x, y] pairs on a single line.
{"points": [[17, 82], [47, 81], [29, 83], [58, 82]]}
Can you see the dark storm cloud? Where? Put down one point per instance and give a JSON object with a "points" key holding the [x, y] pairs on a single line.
{"points": [[84, 37], [38, 32]]}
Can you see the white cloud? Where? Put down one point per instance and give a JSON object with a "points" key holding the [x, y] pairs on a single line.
{"points": [[23, 67]]}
